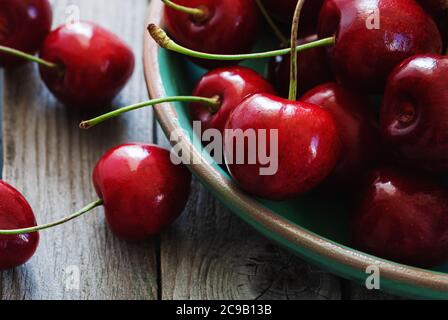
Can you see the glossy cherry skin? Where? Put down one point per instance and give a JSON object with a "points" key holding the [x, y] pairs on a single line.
{"points": [[142, 190], [95, 65], [284, 11], [15, 213], [308, 146], [312, 65], [402, 217], [359, 133], [231, 27], [414, 114], [363, 55], [232, 85], [23, 26]]}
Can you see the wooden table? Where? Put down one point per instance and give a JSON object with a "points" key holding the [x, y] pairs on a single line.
{"points": [[208, 254]]}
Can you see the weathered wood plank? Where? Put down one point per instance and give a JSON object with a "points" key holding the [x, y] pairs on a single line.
{"points": [[212, 254], [50, 161]]}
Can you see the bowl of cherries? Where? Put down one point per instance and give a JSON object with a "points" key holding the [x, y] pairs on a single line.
{"points": [[358, 104], [321, 123]]}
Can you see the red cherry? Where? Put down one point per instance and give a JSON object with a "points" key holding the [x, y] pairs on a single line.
{"points": [[414, 114], [308, 146], [231, 85], [367, 49], [95, 64], [228, 27], [313, 68], [358, 131], [15, 212], [403, 218], [142, 190], [284, 10], [23, 26]]}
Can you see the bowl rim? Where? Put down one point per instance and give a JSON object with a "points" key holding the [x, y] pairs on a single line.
{"points": [[169, 121]]}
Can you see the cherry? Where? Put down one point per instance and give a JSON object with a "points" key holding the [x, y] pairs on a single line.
{"points": [[308, 146], [23, 26], [358, 131], [313, 68], [283, 11], [225, 27], [414, 114], [94, 64], [231, 85], [15, 212], [402, 217], [142, 190], [372, 37]]}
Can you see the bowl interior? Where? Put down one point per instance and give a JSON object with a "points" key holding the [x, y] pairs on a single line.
{"points": [[328, 219]]}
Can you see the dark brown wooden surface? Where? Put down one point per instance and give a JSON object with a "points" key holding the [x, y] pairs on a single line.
{"points": [[208, 254]]}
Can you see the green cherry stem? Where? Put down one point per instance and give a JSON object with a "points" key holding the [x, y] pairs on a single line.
{"points": [[294, 35], [166, 42], [26, 56], [272, 24], [212, 103], [84, 210], [195, 12]]}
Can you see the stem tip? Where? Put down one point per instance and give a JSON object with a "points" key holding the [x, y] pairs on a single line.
{"points": [[159, 35], [85, 125]]}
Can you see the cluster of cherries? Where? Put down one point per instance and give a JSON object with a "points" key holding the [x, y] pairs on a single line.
{"points": [[330, 139]]}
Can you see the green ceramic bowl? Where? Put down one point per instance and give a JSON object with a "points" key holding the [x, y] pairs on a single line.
{"points": [[313, 229]]}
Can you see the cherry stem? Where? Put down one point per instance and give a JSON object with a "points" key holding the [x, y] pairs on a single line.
{"points": [[213, 103], [84, 210], [272, 24], [294, 36], [195, 12], [166, 42], [29, 57]]}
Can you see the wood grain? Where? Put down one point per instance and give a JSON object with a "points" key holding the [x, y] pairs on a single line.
{"points": [[210, 253], [50, 160]]}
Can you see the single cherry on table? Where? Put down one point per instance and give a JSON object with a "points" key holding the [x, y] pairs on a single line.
{"points": [[402, 217], [414, 114], [92, 64], [359, 133], [371, 38], [231, 85], [15, 212], [142, 191], [24, 25], [214, 26]]}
